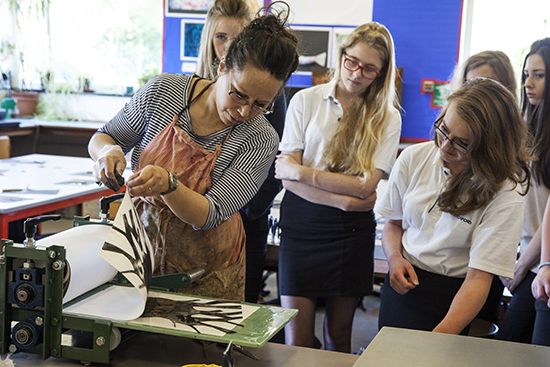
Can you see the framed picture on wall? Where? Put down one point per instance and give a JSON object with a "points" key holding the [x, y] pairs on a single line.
{"points": [[187, 8], [316, 44], [190, 41]]}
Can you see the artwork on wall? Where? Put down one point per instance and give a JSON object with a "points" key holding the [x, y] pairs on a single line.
{"points": [[315, 43], [188, 7], [190, 38], [190, 41], [325, 12]]}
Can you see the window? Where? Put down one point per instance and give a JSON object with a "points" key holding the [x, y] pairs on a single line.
{"points": [[102, 46], [506, 25]]}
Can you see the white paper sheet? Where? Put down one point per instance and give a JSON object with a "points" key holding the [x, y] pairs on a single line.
{"points": [[82, 245], [127, 249], [113, 303]]}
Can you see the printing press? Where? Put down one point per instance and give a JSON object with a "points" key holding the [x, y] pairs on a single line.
{"points": [[35, 316]]}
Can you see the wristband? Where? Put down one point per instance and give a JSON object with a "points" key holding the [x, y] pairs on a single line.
{"points": [[543, 264]]}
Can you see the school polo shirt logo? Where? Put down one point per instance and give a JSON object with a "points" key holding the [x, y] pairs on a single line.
{"points": [[465, 220]]}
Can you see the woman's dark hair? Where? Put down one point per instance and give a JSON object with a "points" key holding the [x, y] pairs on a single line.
{"points": [[497, 146], [266, 43], [538, 117]]}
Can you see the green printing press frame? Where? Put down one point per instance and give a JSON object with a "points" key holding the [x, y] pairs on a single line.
{"points": [[31, 306]]}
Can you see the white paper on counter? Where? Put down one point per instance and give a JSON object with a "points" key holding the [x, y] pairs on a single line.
{"points": [[113, 303], [82, 245], [164, 321]]}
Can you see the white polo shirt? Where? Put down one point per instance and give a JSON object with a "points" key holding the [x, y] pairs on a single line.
{"points": [[311, 119], [535, 204], [439, 242]]}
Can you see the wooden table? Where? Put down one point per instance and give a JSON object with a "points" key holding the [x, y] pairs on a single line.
{"points": [[50, 137], [69, 177], [67, 128]]}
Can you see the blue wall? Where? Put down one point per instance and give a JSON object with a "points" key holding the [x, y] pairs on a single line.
{"points": [[171, 55], [426, 35]]}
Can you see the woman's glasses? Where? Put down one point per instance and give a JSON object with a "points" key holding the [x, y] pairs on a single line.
{"points": [[243, 102], [441, 136], [367, 73]]}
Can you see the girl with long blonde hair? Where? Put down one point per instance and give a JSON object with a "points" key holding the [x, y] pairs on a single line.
{"points": [[339, 139]]}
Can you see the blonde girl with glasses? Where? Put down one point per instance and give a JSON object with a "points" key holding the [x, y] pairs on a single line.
{"points": [[454, 209], [527, 320], [338, 141], [224, 20], [199, 156]]}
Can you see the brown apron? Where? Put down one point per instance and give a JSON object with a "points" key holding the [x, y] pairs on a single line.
{"points": [[178, 247]]}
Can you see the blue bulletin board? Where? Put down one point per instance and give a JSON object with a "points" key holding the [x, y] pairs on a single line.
{"points": [[426, 35]]}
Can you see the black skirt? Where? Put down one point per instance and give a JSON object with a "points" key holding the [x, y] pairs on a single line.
{"points": [[325, 252], [421, 308]]}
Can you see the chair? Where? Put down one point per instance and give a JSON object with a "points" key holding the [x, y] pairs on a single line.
{"points": [[483, 329]]}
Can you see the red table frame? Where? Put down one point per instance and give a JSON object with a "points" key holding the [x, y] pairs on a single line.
{"points": [[5, 218]]}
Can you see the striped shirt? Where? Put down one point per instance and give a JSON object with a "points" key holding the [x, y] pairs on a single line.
{"points": [[242, 165]]}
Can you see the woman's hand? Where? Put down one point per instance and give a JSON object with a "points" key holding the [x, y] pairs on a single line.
{"points": [[109, 166], [287, 168], [541, 285], [149, 181], [525, 262], [403, 278], [519, 274]]}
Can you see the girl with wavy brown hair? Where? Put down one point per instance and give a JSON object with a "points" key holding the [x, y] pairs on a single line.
{"points": [[454, 209]]}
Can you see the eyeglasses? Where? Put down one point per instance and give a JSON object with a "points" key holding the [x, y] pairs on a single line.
{"points": [[243, 102], [441, 136], [367, 73]]}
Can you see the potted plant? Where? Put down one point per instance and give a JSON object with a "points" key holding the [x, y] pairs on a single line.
{"points": [[51, 105]]}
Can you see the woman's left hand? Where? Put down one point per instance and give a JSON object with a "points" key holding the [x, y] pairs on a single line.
{"points": [[149, 181], [287, 168]]}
